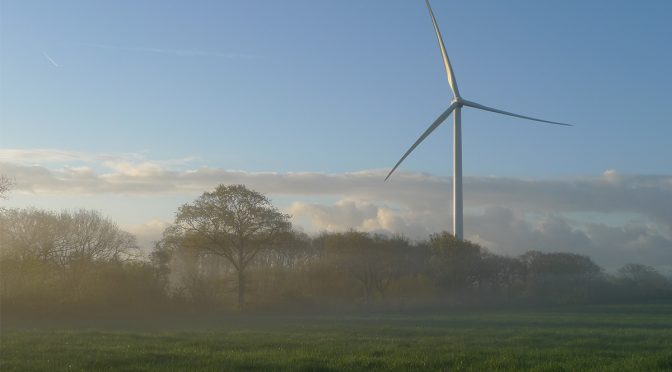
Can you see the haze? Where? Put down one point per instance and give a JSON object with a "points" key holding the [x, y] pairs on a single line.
{"points": [[200, 186]]}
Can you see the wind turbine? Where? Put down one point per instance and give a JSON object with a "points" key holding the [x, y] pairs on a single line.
{"points": [[456, 109]]}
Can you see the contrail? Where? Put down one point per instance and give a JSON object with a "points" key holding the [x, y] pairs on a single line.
{"points": [[51, 60], [176, 52]]}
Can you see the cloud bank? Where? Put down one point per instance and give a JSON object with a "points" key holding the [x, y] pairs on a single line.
{"points": [[613, 218]]}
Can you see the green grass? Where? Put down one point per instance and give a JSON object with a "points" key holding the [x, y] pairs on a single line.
{"points": [[606, 338]]}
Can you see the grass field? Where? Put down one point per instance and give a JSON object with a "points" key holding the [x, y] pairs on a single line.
{"points": [[605, 338]]}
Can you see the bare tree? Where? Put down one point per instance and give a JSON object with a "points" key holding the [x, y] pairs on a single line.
{"points": [[67, 245], [92, 237], [643, 279], [63, 238], [235, 223], [5, 185], [30, 234]]}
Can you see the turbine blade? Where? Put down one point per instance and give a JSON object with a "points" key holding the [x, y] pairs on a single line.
{"points": [[486, 108], [446, 62], [429, 130]]}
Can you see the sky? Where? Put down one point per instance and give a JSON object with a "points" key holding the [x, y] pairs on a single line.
{"points": [[135, 108]]}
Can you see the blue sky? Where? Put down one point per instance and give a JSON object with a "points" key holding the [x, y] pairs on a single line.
{"points": [[340, 86], [328, 87]]}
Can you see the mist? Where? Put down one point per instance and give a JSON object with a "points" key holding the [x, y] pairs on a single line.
{"points": [[232, 253]]}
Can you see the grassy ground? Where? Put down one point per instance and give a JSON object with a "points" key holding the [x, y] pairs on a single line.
{"points": [[607, 338]]}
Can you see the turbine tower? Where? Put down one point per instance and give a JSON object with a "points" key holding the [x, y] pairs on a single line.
{"points": [[455, 108]]}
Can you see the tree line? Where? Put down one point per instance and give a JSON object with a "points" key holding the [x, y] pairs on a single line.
{"points": [[231, 250]]}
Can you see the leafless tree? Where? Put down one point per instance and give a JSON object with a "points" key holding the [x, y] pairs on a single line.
{"points": [[5, 186], [67, 245]]}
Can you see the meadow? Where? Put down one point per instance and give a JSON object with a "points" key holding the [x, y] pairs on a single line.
{"points": [[602, 338]]}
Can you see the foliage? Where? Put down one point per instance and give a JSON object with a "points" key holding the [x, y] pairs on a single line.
{"points": [[81, 264], [232, 222], [643, 281], [372, 261], [456, 265], [51, 262], [561, 277]]}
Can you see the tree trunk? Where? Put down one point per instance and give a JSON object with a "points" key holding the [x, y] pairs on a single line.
{"points": [[241, 290]]}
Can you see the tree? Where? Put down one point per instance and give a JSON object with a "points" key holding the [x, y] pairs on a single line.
{"points": [[373, 261], [63, 238], [501, 276], [5, 185], [561, 277], [456, 264], [56, 256], [186, 272], [643, 281], [235, 223], [31, 235]]}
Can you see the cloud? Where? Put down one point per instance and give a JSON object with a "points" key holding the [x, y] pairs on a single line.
{"points": [[505, 231], [147, 233], [645, 195], [612, 217], [41, 156], [364, 216]]}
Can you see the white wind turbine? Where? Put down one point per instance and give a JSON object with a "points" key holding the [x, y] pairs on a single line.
{"points": [[456, 107]]}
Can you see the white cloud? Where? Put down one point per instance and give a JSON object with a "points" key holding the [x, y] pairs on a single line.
{"points": [[147, 233], [649, 196], [43, 156], [365, 216]]}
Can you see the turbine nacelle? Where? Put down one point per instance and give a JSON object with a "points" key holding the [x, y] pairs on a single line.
{"points": [[455, 104]]}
